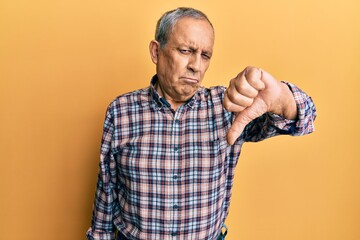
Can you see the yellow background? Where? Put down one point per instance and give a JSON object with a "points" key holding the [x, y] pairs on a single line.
{"points": [[62, 62]]}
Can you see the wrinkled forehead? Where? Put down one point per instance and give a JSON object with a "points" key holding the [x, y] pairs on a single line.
{"points": [[190, 21], [192, 28]]}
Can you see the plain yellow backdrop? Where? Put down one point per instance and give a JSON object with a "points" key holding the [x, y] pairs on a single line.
{"points": [[62, 62]]}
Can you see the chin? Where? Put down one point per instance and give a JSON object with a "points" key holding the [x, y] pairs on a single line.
{"points": [[188, 94]]}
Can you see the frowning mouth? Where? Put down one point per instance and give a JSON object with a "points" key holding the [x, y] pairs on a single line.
{"points": [[190, 80]]}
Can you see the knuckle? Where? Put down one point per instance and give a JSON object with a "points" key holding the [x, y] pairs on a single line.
{"points": [[242, 87], [231, 93], [227, 104], [249, 102]]}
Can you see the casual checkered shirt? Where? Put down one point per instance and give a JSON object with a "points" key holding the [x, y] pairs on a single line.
{"points": [[168, 174]]}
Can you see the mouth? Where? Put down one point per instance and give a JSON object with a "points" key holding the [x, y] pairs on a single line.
{"points": [[190, 80]]}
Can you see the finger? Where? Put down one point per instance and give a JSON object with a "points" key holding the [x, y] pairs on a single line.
{"points": [[243, 118], [236, 128], [254, 78], [242, 86], [230, 106], [238, 98]]}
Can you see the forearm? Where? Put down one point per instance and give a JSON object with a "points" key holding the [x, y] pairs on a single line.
{"points": [[102, 227], [285, 106], [272, 124]]}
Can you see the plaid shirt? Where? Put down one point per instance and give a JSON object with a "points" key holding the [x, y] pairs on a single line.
{"points": [[168, 175]]}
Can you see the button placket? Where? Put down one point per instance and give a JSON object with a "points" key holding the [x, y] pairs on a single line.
{"points": [[176, 158]]}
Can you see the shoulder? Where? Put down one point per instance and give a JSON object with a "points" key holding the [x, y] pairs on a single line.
{"points": [[130, 99], [127, 103]]}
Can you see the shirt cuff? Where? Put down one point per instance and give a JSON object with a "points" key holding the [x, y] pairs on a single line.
{"points": [[306, 114], [99, 235], [282, 123]]}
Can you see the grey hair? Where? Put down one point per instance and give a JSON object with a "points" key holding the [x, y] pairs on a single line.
{"points": [[166, 23]]}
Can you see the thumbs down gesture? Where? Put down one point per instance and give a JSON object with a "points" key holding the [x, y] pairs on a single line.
{"points": [[252, 93]]}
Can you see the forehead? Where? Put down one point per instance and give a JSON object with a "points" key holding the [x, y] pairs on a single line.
{"points": [[192, 31]]}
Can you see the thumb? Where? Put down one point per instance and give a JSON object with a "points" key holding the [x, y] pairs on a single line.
{"points": [[243, 118]]}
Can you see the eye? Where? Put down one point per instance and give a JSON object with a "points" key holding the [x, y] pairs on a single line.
{"points": [[205, 56], [184, 51]]}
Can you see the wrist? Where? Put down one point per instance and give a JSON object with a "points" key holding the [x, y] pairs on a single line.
{"points": [[289, 108], [286, 105]]}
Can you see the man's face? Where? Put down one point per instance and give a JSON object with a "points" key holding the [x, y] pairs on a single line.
{"points": [[181, 64]]}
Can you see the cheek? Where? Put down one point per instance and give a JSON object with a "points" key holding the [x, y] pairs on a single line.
{"points": [[178, 63], [165, 68], [205, 68]]}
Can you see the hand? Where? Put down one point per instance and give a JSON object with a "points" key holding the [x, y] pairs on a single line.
{"points": [[252, 93]]}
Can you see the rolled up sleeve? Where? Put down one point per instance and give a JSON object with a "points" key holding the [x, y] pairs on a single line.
{"points": [[102, 227], [270, 124]]}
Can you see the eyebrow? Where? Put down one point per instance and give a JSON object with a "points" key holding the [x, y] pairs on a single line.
{"points": [[209, 53]]}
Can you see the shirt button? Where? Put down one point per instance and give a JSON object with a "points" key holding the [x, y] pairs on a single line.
{"points": [[176, 207], [174, 233], [176, 149], [175, 177], [177, 121]]}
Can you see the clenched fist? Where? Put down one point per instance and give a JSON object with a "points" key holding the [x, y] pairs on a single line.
{"points": [[252, 93]]}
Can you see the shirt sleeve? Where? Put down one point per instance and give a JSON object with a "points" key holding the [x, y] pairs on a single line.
{"points": [[269, 124], [102, 227]]}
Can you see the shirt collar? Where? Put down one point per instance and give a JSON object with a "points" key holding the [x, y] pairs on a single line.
{"points": [[161, 101]]}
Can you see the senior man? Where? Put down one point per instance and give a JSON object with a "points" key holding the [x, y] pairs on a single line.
{"points": [[169, 151]]}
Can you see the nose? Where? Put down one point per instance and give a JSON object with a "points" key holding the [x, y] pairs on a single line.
{"points": [[194, 63]]}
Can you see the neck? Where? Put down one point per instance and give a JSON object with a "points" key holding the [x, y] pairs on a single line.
{"points": [[174, 103]]}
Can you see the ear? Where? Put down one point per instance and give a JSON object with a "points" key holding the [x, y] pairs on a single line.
{"points": [[154, 50]]}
